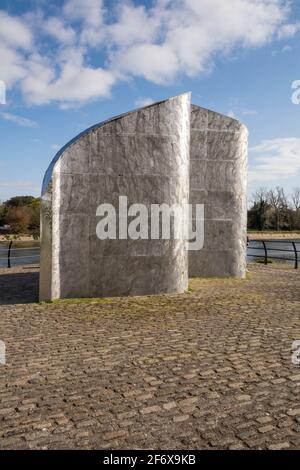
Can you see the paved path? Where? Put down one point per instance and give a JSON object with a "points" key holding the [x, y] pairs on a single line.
{"points": [[208, 369]]}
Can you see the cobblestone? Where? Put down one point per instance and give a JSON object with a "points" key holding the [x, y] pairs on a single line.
{"points": [[208, 369]]}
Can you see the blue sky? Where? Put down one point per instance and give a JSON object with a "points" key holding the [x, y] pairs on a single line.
{"points": [[68, 64]]}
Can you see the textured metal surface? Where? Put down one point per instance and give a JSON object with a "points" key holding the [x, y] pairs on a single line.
{"points": [[143, 155], [218, 179], [168, 153]]}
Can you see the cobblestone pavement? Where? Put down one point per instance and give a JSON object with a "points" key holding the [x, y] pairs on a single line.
{"points": [[208, 369]]}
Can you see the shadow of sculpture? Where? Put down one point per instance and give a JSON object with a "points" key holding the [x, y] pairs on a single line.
{"points": [[19, 288]]}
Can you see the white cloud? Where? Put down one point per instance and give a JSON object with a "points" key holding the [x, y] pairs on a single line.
{"points": [[15, 40], [141, 102], [156, 63], [90, 13], [276, 159], [75, 83], [56, 28], [64, 77], [14, 32], [13, 67], [134, 25], [21, 121], [288, 30], [158, 42], [191, 33]]}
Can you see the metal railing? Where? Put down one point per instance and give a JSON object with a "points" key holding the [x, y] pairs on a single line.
{"points": [[10, 253], [266, 247], [267, 251]]}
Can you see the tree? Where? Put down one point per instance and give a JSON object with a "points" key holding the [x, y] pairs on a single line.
{"points": [[258, 212], [20, 201], [18, 218], [279, 204], [3, 212], [34, 208], [275, 209], [22, 213], [295, 198]]}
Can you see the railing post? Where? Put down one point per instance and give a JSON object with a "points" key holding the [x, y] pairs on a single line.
{"points": [[296, 255], [266, 251], [8, 254]]}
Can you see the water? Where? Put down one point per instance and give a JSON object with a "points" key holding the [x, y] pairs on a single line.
{"points": [[22, 253], [275, 248]]}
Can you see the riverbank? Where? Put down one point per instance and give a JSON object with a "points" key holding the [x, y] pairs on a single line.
{"points": [[274, 235]]}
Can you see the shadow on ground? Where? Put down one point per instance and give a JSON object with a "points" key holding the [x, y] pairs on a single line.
{"points": [[19, 288]]}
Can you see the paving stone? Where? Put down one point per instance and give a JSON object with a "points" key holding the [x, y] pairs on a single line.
{"points": [[169, 406], [295, 412], [267, 428], [295, 378], [113, 435], [238, 446], [207, 369], [150, 409], [180, 418], [243, 397], [279, 446], [264, 419]]}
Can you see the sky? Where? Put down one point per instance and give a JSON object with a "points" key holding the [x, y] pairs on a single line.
{"points": [[69, 64]]}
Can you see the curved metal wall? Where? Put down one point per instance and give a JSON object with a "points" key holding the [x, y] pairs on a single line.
{"points": [[143, 155], [218, 179]]}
